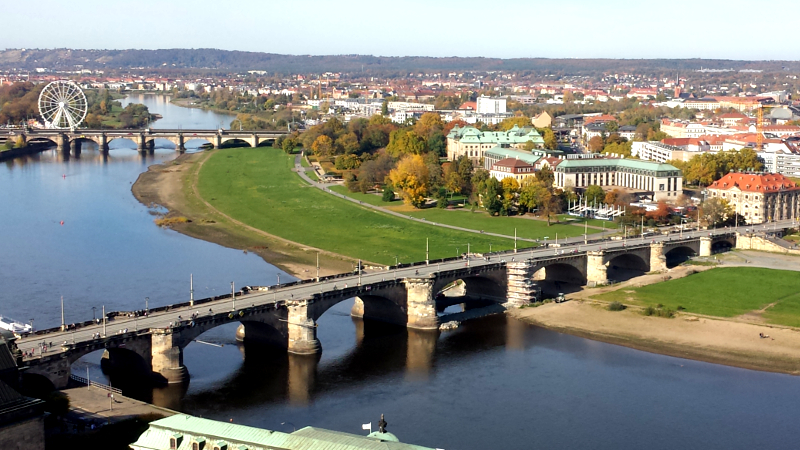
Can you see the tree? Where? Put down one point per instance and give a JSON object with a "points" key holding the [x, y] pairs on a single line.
{"points": [[594, 194], [510, 188], [715, 211], [388, 194], [465, 169], [612, 126], [519, 121], [410, 177], [660, 214], [550, 141], [611, 197], [596, 144], [288, 145], [429, 123], [437, 144], [385, 111], [546, 176], [405, 142], [347, 143], [322, 146], [491, 199]]}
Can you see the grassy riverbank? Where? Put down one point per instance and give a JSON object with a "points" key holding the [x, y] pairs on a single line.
{"points": [[172, 185], [527, 227], [772, 296], [726, 310], [259, 189]]}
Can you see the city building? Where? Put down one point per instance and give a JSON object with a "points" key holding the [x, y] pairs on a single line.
{"points": [[511, 168], [656, 180], [21, 418], [491, 105], [758, 197], [184, 432], [471, 142]]}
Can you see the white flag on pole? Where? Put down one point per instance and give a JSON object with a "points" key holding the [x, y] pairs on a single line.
{"points": [[367, 426]]}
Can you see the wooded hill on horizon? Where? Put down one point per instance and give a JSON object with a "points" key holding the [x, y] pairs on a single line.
{"points": [[239, 61]]}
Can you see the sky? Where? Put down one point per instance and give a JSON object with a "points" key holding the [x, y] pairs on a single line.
{"points": [[716, 29]]}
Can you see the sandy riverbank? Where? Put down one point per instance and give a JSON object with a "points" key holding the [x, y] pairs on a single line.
{"points": [[729, 342], [172, 185]]}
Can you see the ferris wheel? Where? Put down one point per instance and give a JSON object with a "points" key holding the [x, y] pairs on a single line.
{"points": [[62, 104]]}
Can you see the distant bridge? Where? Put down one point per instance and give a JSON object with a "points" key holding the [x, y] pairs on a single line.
{"points": [[70, 140], [409, 295]]}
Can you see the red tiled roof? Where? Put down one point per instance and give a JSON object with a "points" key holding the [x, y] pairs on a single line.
{"points": [[511, 162], [764, 183]]}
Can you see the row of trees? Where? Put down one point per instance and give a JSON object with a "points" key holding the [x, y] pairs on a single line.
{"points": [[706, 168]]}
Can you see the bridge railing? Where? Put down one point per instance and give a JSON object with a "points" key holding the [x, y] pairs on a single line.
{"points": [[85, 381]]}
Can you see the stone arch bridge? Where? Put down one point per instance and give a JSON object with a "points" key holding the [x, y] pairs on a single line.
{"points": [[287, 315], [70, 140]]}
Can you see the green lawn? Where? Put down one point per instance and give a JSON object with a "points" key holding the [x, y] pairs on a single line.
{"points": [[724, 292], [371, 199], [526, 228], [608, 224], [259, 189], [304, 162]]}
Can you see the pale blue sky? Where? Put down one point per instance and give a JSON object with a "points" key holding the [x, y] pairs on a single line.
{"points": [[719, 29]]}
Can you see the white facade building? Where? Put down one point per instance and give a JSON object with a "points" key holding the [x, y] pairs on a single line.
{"points": [[491, 105]]}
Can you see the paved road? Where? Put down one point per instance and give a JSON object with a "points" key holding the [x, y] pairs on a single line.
{"points": [[163, 319]]}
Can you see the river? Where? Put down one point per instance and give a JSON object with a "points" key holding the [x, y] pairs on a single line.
{"points": [[492, 383]]}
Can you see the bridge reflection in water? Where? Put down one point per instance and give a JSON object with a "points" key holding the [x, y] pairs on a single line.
{"points": [[267, 375]]}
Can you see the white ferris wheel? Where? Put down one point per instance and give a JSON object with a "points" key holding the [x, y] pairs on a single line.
{"points": [[62, 105]]}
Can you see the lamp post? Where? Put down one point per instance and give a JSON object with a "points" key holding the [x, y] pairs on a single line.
{"points": [[63, 325], [104, 320], [279, 281], [427, 251], [94, 315], [515, 240], [31, 321], [146, 306], [191, 289], [233, 297], [318, 267]]}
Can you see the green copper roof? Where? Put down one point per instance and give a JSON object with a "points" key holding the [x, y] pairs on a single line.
{"points": [[618, 163], [194, 429], [515, 135]]}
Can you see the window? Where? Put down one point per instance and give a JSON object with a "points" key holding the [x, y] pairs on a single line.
{"points": [[195, 446], [173, 443]]}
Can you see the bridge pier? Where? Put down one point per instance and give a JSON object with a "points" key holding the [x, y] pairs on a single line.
{"points": [[302, 330], [522, 290], [102, 143], [705, 246], [658, 261], [179, 146], [421, 305], [141, 143], [62, 143], [217, 140], [596, 268], [167, 356], [75, 147]]}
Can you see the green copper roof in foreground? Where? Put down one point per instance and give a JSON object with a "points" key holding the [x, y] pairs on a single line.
{"points": [[193, 429], [515, 135]]}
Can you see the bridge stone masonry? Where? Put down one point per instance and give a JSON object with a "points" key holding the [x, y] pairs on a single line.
{"points": [[412, 296], [70, 140]]}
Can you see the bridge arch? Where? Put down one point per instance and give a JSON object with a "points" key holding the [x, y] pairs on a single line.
{"points": [[236, 142], [678, 255], [624, 266], [120, 140], [559, 277], [196, 141], [42, 140]]}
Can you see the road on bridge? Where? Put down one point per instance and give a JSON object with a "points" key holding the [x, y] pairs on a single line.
{"points": [[275, 294]]}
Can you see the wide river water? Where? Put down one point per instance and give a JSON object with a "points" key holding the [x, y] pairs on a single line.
{"points": [[493, 383]]}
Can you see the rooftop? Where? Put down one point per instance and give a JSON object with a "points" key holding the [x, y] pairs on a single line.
{"points": [[190, 429], [755, 182]]}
